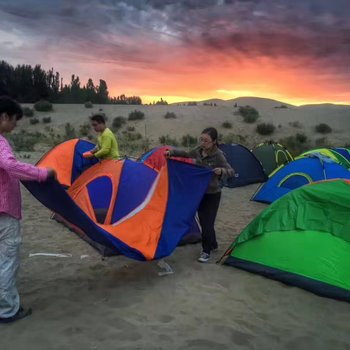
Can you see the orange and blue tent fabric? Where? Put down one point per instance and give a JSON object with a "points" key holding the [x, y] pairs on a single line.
{"points": [[146, 212], [155, 158], [68, 161]]}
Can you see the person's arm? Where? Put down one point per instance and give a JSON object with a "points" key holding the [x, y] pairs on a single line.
{"points": [[17, 169], [106, 145], [223, 169]]}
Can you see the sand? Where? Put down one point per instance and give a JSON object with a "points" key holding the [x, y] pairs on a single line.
{"points": [[86, 302]]}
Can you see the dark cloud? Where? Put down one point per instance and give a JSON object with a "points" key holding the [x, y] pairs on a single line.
{"points": [[310, 30]]}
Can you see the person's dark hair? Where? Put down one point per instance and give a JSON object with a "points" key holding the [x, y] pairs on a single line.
{"points": [[99, 118], [11, 107], [213, 133]]}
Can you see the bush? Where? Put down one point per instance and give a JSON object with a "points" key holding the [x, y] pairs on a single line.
{"points": [[43, 106], [88, 104], [265, 128], [233, 138], [136, 115], [323, 128], [24, 141], [130, 128], [28, 112], [84, 129], [302, 138], [46, 120], [323, 142], [118, 122], [226, 125], [170, 115], [134, 136], [295, 124], [34, 121], [188, 141], [167, 140], [70, 132], [249, 114], [294, 146]]}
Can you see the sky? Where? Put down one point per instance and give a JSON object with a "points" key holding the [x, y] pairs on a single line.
{"points": [[296, 51]]}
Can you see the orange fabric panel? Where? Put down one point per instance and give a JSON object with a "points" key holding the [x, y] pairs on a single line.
{"points": [[61, 158], [142, 231], [79, 192]]}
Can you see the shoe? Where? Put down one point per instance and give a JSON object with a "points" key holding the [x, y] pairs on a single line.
{"points": [[21, 313], [204, 257]]}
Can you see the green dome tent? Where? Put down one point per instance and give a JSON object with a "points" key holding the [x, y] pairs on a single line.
{"points": [[302, 239], [272, 155]]}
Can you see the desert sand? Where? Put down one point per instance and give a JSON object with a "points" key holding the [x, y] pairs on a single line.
{"points": [[86, 302]]}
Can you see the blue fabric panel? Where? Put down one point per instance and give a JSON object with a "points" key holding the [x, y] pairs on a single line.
{"points": [[248, 168], [100, 192], [313, 167], [134, 184], [343, 152], [187, 185], [53, 196], [80, 164]]}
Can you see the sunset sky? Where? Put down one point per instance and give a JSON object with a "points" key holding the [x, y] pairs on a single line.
{"points": [[296, 51]]}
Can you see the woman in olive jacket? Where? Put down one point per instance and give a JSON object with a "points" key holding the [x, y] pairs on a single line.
{"points": [[209, 155]]}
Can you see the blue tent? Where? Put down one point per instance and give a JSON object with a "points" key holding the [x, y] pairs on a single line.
{"points": [[248, 168], [295, 174]]}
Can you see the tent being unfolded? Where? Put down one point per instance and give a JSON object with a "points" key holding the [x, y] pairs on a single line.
{"points": [[145, 213]]}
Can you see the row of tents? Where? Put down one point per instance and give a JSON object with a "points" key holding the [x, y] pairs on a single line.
{"points": [[144, 208]]}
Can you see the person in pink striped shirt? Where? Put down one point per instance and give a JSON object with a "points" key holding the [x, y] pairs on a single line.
{"points": [[11, 172]]}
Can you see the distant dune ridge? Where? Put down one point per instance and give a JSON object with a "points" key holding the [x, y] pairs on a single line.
{"points": [[191, 119]]}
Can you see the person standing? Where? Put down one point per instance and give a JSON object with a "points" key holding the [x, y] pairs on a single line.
{"points": [[11, 172], [209, 155]]}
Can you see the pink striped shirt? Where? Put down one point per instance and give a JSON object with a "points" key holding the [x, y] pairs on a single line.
{"points": [[11, 172]]}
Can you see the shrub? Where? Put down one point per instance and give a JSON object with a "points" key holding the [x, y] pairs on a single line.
{"points": [[188, 141], [192, 103], [136, 115], [170, 115], [70, 132], [34, 121], [295, 124], [167, 140], [46, 120], [130, 128], [43, 106], [24, 141], [28, 112], [302, 138], [249, 114], [118, 122], [226, 125], [323, 128], [233, 138], [134, 136], [294, 146], [88, 104], [281, 106], [265, 128], [323, 142], [84, 129]]}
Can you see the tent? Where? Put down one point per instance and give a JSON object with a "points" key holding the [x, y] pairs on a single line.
{"points": [[67, 159], [303, 239], [272, 155], [142, 213], [337, 155], [155, 158], [248, 169], [297, 173]]}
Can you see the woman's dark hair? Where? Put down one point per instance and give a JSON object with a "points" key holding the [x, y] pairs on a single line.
{"points": [[213, 133], [11, 107], [99, 118]]}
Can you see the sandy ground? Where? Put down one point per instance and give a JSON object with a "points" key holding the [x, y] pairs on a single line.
{"points": [[85, 302]]}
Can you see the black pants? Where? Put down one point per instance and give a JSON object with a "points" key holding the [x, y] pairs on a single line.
{"points": [[207, 211]]}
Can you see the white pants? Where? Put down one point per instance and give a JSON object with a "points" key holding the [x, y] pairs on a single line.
{"points": [[10, 240]]}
